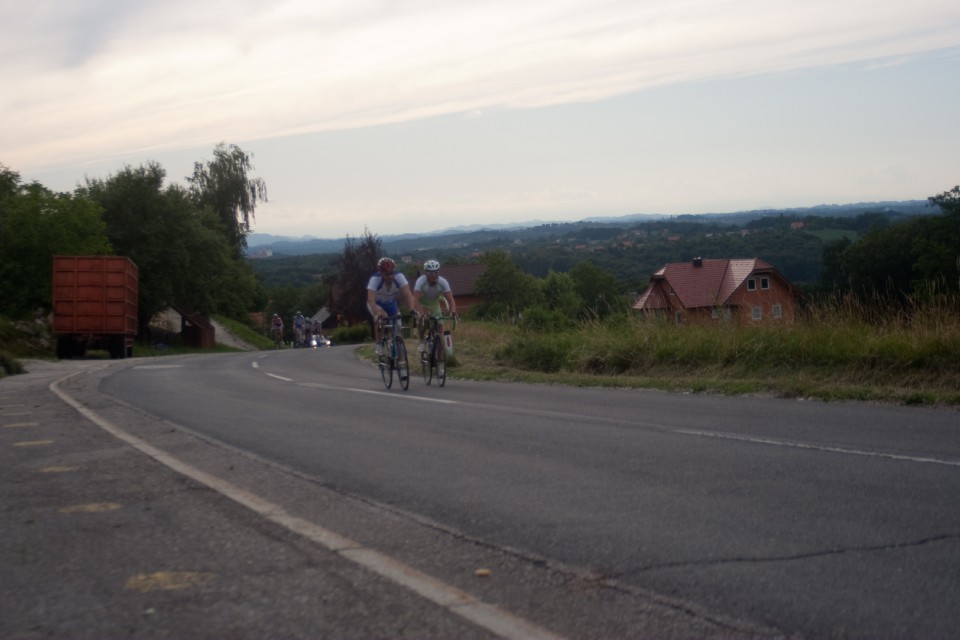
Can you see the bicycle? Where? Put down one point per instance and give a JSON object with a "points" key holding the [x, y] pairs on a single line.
{"points": [[433, 360], [393, 356], [277, 337]]}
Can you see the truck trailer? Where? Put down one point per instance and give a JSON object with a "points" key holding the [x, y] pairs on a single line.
{"points": [[94, 305]]}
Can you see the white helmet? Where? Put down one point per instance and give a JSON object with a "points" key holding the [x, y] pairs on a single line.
{"points": [[431, 266]]}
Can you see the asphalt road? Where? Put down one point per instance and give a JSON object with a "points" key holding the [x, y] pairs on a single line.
{"points": [[592, 513]]}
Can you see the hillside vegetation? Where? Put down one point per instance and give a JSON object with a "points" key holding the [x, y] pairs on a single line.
{"points": [[838, 352]]}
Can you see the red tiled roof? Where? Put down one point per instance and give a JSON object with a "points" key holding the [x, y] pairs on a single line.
{"points": [[463, 277], [702, 283]]}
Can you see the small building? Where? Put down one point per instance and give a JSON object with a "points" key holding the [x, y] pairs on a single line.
{"points": [[745, 290], [463, 283]]}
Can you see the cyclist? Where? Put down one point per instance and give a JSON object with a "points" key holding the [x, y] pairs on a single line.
{"points": [[383, 291], [427, 293], [276, 327], [298, 329]]}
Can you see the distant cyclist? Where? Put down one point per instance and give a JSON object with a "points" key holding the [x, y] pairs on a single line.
{"points": [[428, 290], [384, 290], [298, 322], [276, 328]]}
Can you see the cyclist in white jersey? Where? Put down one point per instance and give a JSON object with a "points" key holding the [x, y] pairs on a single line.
{"points": [[384, 290], [429, 289]]}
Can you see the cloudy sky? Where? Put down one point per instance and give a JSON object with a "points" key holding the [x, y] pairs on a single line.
{"points": [[418, 115]]}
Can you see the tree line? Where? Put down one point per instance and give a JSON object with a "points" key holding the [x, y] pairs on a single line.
{"points": [[187, 241], [189, 244]]}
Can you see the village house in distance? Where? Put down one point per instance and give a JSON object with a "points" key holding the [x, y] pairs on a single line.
{"points": [[703, 290]]}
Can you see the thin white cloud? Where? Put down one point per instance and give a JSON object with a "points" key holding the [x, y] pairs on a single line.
{"points": [[114, 77]]}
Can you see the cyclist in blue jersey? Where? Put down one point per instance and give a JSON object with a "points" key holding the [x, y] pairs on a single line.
{"points": [[384, 290]]}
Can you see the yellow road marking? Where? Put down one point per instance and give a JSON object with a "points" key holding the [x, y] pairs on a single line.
{"points": [[57, 469], [93, 507], [167, 581], [33, 443]]}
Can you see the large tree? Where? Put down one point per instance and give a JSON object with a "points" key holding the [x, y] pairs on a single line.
{"points": [[181, 250], [35, 225], [224, 185], [348, 287], [505, 288]]}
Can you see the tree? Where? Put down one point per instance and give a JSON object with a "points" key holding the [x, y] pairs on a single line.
{"points": [[35, 225], [354, 267], [223, 184], [182, 252], [560, 291], [598, 290], [504, 286]]}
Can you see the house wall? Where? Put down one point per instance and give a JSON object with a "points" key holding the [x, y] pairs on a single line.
{"points": [[740, 305], [744, 301]]}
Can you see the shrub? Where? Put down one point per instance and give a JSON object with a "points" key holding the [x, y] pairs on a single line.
{"points": [[353, 334], [541, 320], [545, 353], [9, 366]]}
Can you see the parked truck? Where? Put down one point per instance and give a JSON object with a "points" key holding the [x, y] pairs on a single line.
{"points": [[94, 305]]}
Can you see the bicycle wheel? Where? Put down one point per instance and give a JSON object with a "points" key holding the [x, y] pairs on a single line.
{"points": [[386, 368], [402, 364], [440, 359], [426, 364]]}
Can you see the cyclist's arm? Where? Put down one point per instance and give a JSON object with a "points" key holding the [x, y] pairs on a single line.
{"points": [[418, 306], [451, 305], [408, 297], [372, 306]]}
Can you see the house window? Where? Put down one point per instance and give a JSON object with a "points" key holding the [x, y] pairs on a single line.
{"points": [[764, 283], [715, 313], [776, 310], [751, 285], [757, 312], [678, 317]]}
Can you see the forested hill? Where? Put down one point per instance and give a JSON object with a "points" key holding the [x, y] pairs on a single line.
{"points": [[631, 248]]}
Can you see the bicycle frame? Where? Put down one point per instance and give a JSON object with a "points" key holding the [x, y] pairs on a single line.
{"points": [[394, 357], [433, 360]]}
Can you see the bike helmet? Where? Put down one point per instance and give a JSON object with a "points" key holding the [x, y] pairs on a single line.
{"points": [[431, 266], [386, 264]]}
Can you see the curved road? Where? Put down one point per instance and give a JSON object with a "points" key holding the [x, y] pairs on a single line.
{"points": [[802, 518]]}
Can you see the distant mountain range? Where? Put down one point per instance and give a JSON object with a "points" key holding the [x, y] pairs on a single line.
{"points": [[264, 243]]}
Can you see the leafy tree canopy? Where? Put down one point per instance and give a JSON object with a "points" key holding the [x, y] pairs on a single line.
{"points": [[35, 225], [224, 185]]}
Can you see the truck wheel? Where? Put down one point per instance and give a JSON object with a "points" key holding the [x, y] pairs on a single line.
{"points": [[118, 348], [64, 347]]}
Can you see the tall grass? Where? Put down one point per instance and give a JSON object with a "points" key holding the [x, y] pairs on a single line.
{"points": [[840, 347]]}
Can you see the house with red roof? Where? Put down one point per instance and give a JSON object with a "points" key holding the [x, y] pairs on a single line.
{"points": [[705, 290], [463, 283]]}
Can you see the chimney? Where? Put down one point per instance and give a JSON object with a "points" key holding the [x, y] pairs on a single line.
{"points": [[698, 262]]}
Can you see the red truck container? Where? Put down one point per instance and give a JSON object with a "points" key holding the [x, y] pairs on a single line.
{"points": [[94, 304]]}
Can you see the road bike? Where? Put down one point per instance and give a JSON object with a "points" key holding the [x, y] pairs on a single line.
{"points": [[277, 336], [433, 359], [393, 353]]}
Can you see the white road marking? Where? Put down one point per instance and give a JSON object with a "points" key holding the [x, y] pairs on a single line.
{"points": [[817, 447], [157, 366], [273, 375], [496, 620], [400, 395]]}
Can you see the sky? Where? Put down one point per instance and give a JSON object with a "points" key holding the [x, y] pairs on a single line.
{"points": [[412, 116]]}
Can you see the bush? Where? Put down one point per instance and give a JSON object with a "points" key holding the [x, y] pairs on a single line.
{"points": [[547, 354], [540, 319], [353, 334], [9, 366]]}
